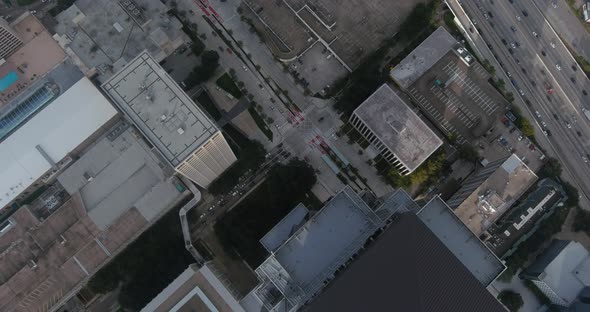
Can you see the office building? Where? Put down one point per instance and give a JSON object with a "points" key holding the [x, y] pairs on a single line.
{"points": [[390, 125], [491, 191], [561, 272], [103, 35], [9, 39], [195, 289], [336, 260], [40, 127], [185, 137]]}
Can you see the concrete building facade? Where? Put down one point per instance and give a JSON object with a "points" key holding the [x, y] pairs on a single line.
{"points": [[389, 124], [9, 39], [185, 136]]}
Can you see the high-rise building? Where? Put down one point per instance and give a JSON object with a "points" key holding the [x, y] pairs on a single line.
{"points": [[9, 39], [388, 123], [185, 136]]}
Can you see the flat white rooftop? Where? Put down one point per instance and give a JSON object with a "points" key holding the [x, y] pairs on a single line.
{"points": [[161, 110], [49, 135], [398, 127]]}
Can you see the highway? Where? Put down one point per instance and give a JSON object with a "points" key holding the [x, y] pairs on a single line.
{"points": [[544, 75]]}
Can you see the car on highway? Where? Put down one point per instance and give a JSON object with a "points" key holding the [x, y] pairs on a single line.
{"points": [[486, 15], [543, 53], [510, 51], [513, 28], [535, 34], [558, 66], [538, 114], [552, 44], [509, 74], [568, 125], [525, 13], [513, 45], [544, 124], [518, 17], [584, 158], [521, 92], [554, 4]]}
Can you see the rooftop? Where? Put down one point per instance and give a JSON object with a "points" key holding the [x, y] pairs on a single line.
{"points": [[467, 247], [105, 33], [406, 269], [37, 56], [300, 267], [38, 136], [119, 172], [495, 195], [159, 108], [398, 127], [195, 289], [285, 228], [565, 267], [423, 57]]}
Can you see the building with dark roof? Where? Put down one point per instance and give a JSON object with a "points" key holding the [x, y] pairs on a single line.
{"points": [[407, 269], [341, 255]]}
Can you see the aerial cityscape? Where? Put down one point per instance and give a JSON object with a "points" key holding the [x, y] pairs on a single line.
{"points": [[294, 155]]}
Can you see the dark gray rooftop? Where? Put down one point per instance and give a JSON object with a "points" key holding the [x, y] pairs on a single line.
{"points": [[423, 57], [407, 269], [106, 32], [159, 108], [398, 127]]}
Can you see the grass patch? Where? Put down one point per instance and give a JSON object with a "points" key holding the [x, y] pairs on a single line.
{"points": [[208, 105], [243, 226], [260, 123], [146, 266], [226, 83]]}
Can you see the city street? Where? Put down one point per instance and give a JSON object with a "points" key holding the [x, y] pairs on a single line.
{"points": [[542, 73]]}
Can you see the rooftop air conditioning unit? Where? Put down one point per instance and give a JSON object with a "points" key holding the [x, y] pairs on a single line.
{"points": [[180, 131]]}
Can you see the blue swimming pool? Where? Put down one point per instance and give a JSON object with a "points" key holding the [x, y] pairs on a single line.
{"points": [[8, 80]]}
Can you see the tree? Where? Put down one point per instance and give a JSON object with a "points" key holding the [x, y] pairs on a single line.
{"points": [[197, 47], [512, 300], [525, 127], [396, 179], [551, 169], [201, 73], [467, 152], [509, 97]]}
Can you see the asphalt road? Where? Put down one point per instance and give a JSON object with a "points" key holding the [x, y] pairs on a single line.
{"points": [[533, 68]]}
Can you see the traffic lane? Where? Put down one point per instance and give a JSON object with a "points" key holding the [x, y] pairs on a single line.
{"points": [[566, 23], [569, 169], [544, 107], [569, 65]]}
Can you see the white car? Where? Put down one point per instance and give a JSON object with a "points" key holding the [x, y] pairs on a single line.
{"points": [[245, 68], [518, 17], [558, 66], [521, 92], [535, 34], [552, 44], [554, 4], [569, 125], [538, 114]]}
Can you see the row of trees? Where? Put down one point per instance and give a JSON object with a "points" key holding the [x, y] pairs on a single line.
{"points": [[204, 71]]}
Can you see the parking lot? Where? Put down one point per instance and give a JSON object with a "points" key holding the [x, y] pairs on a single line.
{"points": [[459, 98], [505, 139], [318, 68]]}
